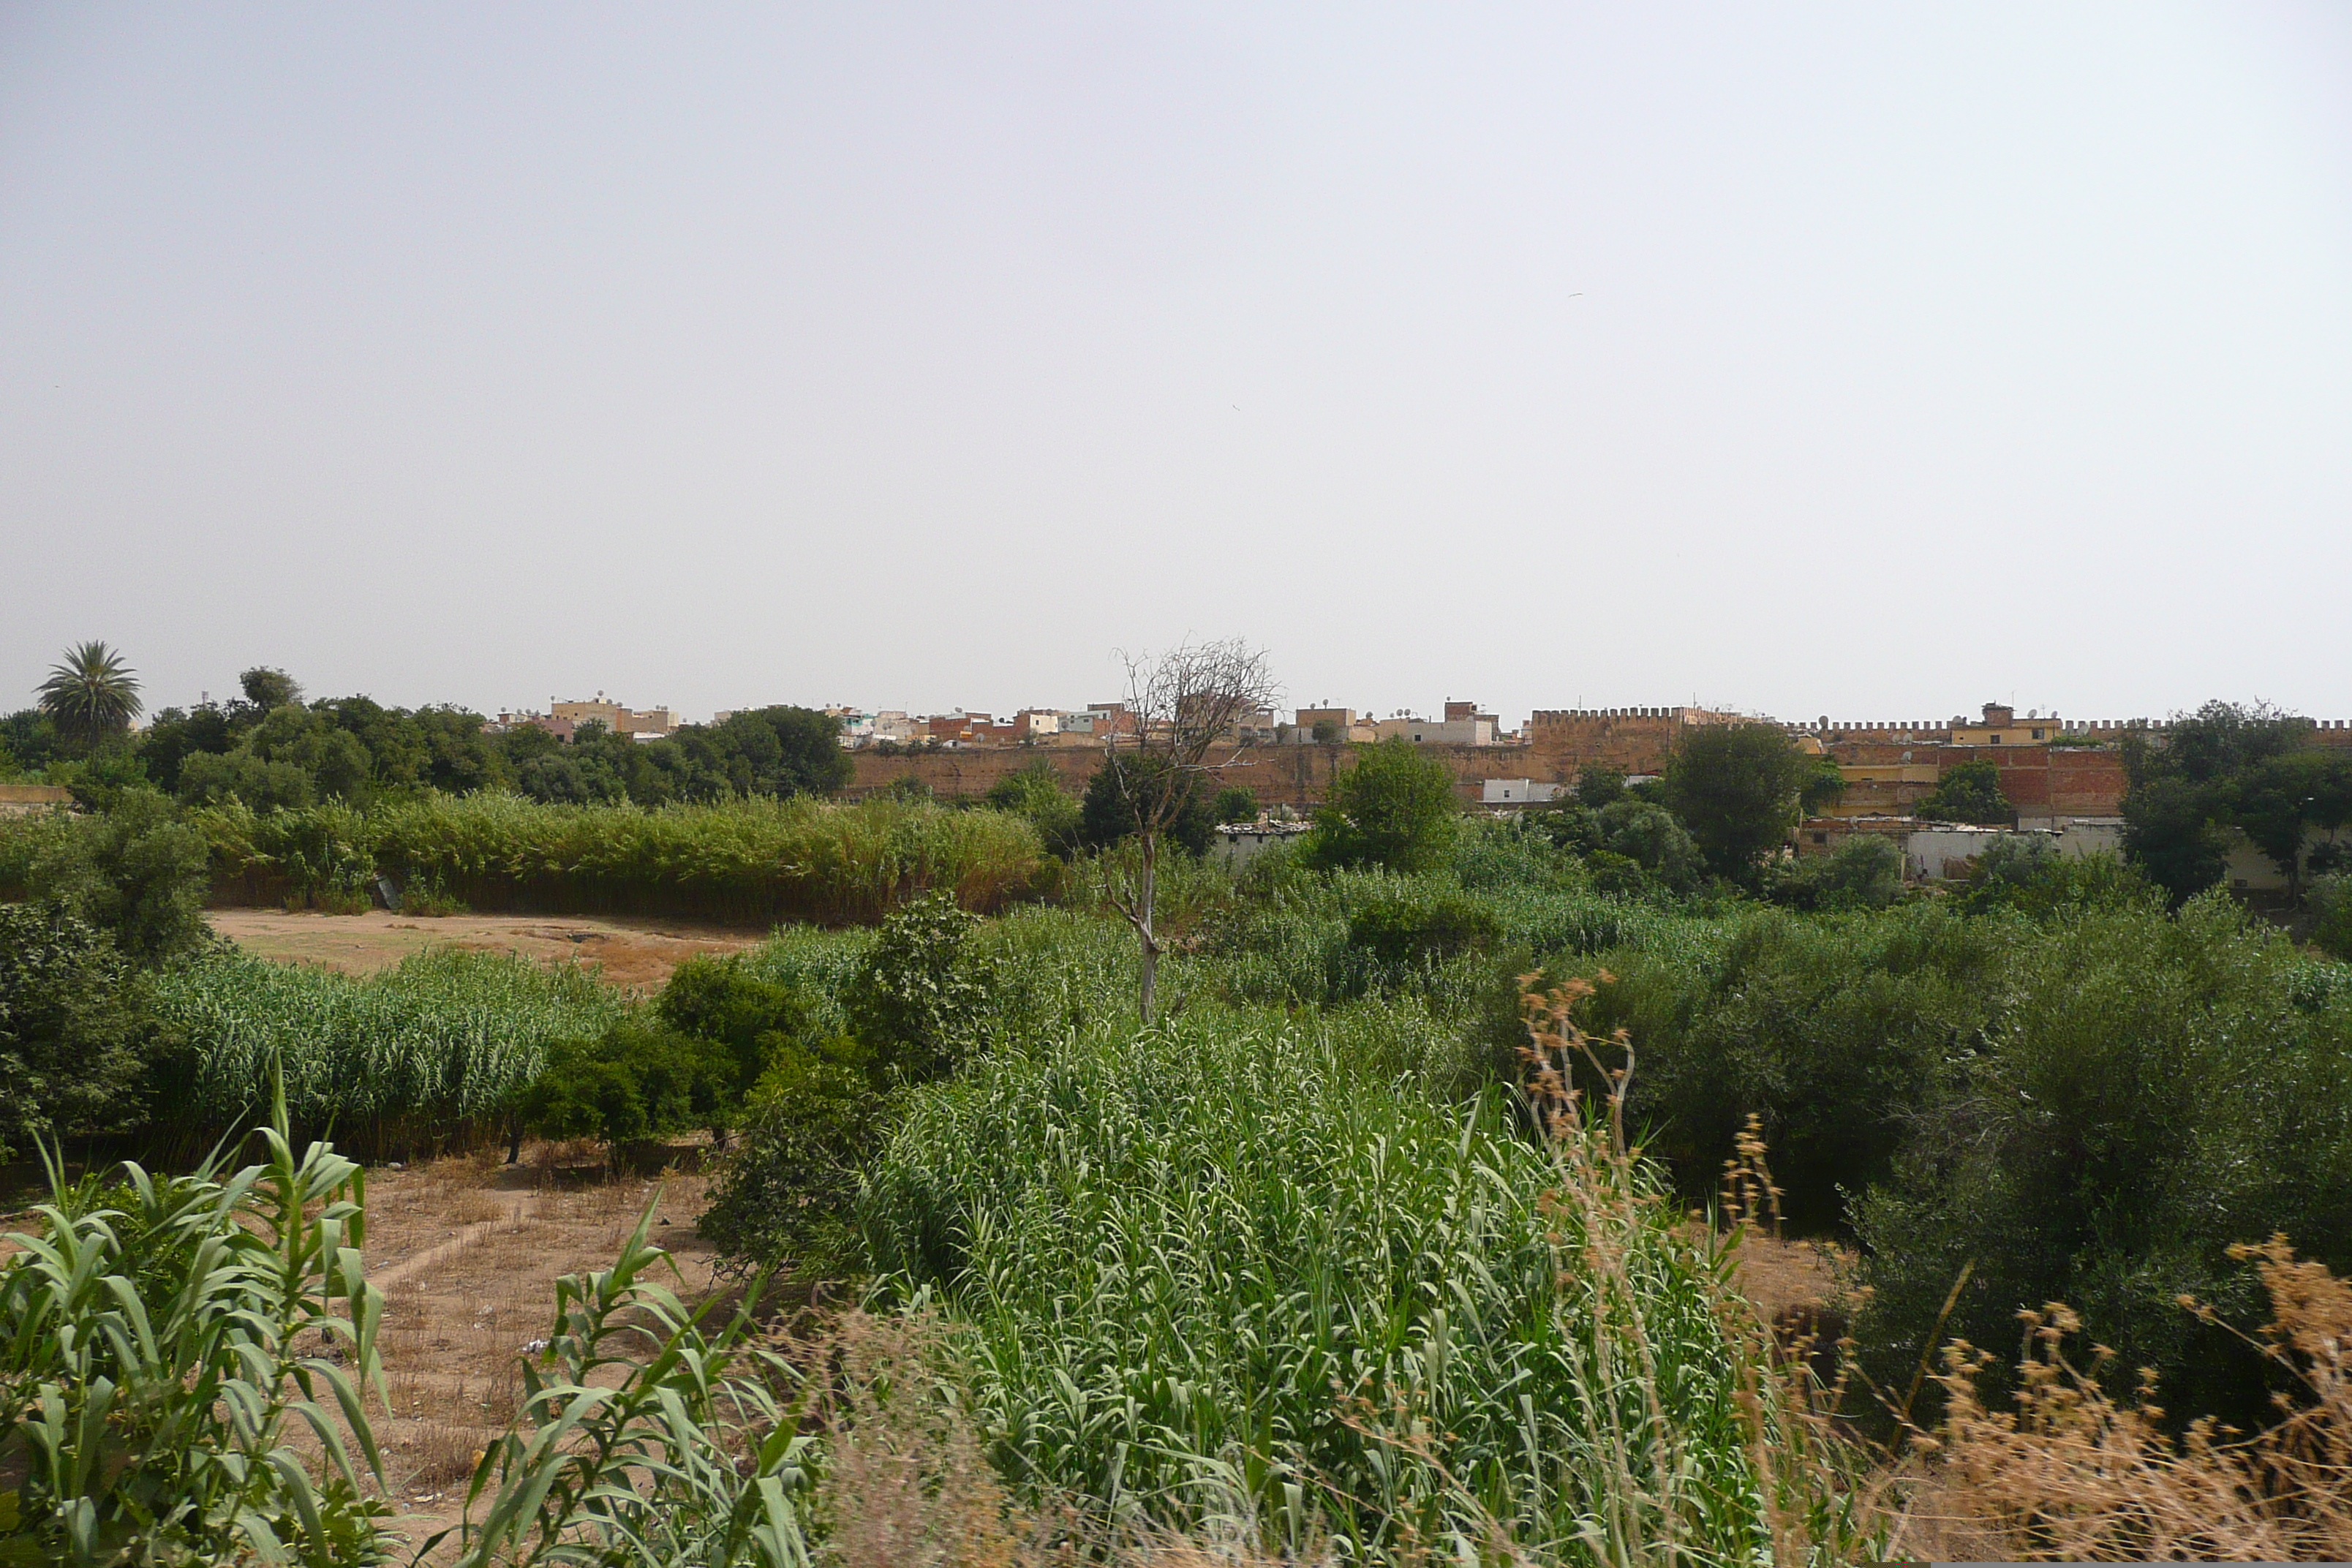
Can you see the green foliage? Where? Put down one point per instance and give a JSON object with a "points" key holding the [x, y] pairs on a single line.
{"points": [[2155, 1089], [77, 1030], [1736, 788], [1863, 872], [30, 738], [917, 999], [1186, 1257], [2331, 902], [1035, 793], [1838, 1032], [2224, 766], [138, 873], [1235, 803], [268, 688], [209, 778], [1120, 797], [2025, 872], [428, 1053], [745, 860], [1969, 793], [749, 1016], [91, 692], [1599, 784], [633, 1083], [1399, 932], [787, 1192], [159, 1342], [1649, 837], [1394, 808]]}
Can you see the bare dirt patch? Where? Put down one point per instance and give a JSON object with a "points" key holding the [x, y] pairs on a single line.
{"points": [[630, 954], [467, 1252]]}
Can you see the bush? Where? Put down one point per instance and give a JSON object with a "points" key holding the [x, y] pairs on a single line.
{"points": [[2155, 1090], [747, 1015], [2025, 872], [1395, 809], [633, 1083], [2331, 903], [1036, 794], [787, 1194], [137, 873], [1837, 1032], [1863, 872], [78, 1028], [1400, 931], [919, 997]]}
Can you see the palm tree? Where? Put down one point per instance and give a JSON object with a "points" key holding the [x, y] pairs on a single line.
{"points": [[91, 692]]}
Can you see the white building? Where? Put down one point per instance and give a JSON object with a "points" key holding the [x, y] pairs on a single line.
{"points": [[1517, 792]]}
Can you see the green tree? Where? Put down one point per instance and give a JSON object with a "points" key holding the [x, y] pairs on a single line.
{"points": [[2188, 783], [1736, 788], [1234, 803], [1599, 784], [91, 692], [1395, 808], [267, 689], [1650, 836], [1035, 792], [1969, 793], [76, 1029], [137, 872]]}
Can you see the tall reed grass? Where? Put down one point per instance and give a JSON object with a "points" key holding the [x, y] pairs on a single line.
{"points": [[421, 1056], [1232, 1272], [749, 860]]}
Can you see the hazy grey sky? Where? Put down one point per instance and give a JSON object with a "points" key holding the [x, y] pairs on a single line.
{"points": [[1870, 360]]}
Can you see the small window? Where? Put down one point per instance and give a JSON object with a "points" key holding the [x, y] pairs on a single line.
{"points": [[1995, 738], [1820, 839], [2037, 735]]}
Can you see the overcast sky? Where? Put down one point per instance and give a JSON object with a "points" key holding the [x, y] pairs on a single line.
{"points": [[1873, 361]]}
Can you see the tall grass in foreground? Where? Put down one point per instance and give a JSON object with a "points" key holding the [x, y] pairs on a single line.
{"points": [[1237, 1275], [413, 1055]]}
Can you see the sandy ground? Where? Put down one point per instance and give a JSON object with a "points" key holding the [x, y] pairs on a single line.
{"points": [[633, 954], [467, 1252]]}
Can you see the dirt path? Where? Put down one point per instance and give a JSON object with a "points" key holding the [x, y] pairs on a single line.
{"points": [[632, 954]]}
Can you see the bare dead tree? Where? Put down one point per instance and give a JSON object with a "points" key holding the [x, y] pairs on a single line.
{"points": [[1184, 710]]}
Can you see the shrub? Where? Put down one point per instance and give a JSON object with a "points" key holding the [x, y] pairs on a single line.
{"points": [[137, 873], [2025, 872], [1837, 1032], [1863, 872], [1399, 932], [1969, 793], [633, 1083], [1036, 794], [2155, 1090], [748, 1016], [77, 1030], [1395, 808], [2331, 903], [787, 1192], [919, 998]]}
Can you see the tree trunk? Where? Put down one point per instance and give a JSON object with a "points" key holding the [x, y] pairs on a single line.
{"points": [[1143, 925]]}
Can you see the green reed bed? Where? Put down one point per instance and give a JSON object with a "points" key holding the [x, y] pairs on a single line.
{"points": [[746, 860], [424, 1053], [1232, 1271]]}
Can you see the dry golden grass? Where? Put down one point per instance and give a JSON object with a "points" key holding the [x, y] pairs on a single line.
{"points": [[2074, 1474], [467, 1250]]}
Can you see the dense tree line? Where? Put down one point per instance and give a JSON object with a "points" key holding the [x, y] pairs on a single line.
{"points": [[270, 748]]}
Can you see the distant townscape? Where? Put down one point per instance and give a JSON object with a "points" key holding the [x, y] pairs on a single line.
{"points": [[2062, 777]]}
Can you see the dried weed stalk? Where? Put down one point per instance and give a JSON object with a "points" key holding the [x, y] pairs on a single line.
{"points": [[2073, 1474]]}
